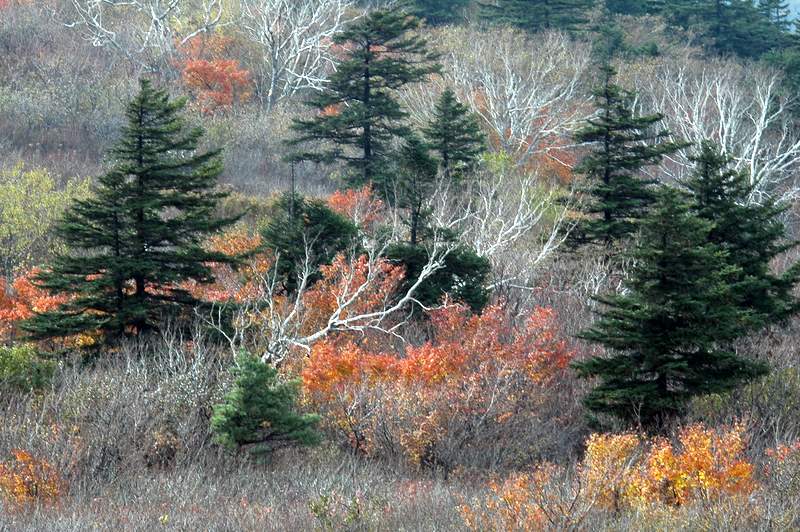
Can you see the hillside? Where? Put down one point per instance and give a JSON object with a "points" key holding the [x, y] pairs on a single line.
{"points": [[420, 265]]}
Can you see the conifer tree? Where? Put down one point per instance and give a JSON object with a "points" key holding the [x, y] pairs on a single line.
{"points": [[141, 233], [539, 15], [358, 114], [259, 413], [617, 196], [301, 229], [668, 336], [455, 135], [752, 234], [415, 182]]}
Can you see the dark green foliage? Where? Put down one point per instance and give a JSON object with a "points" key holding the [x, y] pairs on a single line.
{"points": [[538, 15], [259, 413], [455, 136], [141, 233], [439, 12], [358, 113], [616, 196], [414, 182], [22, 369], [752, 234], [463, 275], [669, 334], [731, 27], [298, 223]]}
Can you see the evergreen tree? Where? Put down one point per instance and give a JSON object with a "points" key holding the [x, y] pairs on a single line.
{"points": [[731, 27], [298, 225], [358, 113], [752, 234], [668, 335], [440, 12], [455, 136], [463, 275], [777, 12], [415, 182], [141, 233], [259, 413], [539, 15], [616, 196]]}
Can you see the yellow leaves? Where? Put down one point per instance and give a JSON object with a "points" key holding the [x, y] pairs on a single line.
{"points": [[625, 470], [30, 203], [26, 480]]}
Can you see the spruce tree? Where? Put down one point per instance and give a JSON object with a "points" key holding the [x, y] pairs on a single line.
{"points": [[752, 234], [455, 135], [414, 183], [668, 335], [259, 413], [141, 233], [358, 114], [301, 229], [539, 15], [616, 195]]}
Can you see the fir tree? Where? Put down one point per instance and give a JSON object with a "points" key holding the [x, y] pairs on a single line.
{"points": [[455, 136], [752, 234], [617, 197], [415, 182], [538, 15], [300, 229], [668, 335], [358, 112], [141, 233], [259, 413]]}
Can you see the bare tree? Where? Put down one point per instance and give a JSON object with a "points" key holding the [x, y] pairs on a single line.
{"points": [[527, 90], [740, 107], [273, 323], [296, 40], [145, 31]]}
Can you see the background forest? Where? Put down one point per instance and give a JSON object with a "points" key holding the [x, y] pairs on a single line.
{"points": [[418, 265]]}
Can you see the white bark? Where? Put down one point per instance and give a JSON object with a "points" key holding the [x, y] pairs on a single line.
{"points": [[296, 40], [144, 31], [738, 106]]}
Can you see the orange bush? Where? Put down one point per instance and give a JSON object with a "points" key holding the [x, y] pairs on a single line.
{"points": [[25, 480], [479, 372], [361, 206], [618, 472], [217, 83], [21, 301]]}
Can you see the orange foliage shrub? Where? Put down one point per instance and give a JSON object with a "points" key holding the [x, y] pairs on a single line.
{"points": [[477, 378], [26, 480], [231, 284], [621, 471], [216, 82], [361, 206], [21, 301]]}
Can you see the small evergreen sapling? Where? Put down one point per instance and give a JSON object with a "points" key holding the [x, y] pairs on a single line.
{"points": [[259, 413]]}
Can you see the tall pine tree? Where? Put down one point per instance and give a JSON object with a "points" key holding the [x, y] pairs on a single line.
{"points": [[358, 114], [616, 195], [752, 234], [141, 233], [455, 135], [668, 336]]}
